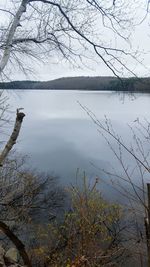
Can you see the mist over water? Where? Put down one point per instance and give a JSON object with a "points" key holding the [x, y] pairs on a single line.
{"points": [[59, 137]]}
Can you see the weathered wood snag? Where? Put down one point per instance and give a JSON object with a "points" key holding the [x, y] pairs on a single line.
{"points": [[12, 140], [3, 227]]}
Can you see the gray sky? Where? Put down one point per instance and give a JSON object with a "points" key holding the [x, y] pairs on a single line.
{"points": [[53, 68], [140, 40]]}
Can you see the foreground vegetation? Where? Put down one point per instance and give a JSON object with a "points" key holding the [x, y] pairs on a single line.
{"points": [[88, 233]]}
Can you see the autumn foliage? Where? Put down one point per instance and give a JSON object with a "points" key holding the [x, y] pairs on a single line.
{"points": [[88, 236]]}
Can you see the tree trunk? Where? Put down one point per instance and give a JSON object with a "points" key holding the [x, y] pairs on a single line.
{"points": [[12, 140], [11, 33], [147, 225], [16, 241]]}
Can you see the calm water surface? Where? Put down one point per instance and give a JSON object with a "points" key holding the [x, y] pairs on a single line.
{"points": [[59, 136]]}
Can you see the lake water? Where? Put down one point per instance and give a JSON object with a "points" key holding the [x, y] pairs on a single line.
{"points": [[60, 138]]}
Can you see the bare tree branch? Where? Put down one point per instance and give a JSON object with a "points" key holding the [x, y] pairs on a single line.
{"points": [[62, 26]]}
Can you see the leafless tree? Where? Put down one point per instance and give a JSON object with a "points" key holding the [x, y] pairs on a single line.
{"points": [[69, 29], [5, 188], [131, 182], [24, 195]]}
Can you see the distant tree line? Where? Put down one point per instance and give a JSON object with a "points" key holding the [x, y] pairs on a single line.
{"points": [[132, 84]]}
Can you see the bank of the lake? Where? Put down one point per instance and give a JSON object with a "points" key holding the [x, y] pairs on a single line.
{"points": [[84, 83]]}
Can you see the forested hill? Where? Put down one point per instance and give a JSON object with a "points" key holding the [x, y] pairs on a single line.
{"points": [[84, 83]]}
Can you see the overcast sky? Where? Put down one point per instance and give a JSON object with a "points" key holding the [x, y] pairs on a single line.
{"points": [[53, 68]]}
